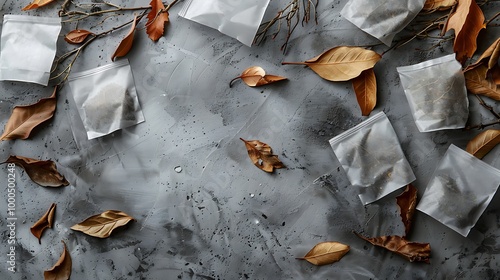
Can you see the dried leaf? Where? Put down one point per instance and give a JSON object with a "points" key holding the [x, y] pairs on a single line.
{"points": [[77, 36], [155, 27], [365, 87], [478, 82], [484, 142], [491, 54], [407, 201], [24, 118], [467, 21], [438, 5], [126, 44], [44, 222], [326, 253], [341, 63], [37, 4], [262, 156], [42, 172], [62, 269], [256, 76], [412, 251], [102, 225]]}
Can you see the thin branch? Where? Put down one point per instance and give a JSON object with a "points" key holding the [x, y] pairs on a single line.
{"points": [[492, 19], [488, 107]]}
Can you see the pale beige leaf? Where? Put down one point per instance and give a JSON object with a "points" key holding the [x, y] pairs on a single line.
{"points": [[77, 36], [478, 82], [126, 44], [62, 269], [438, 5], [44, 222], [341, 63], [326, 253], [483, 143], [262, 156], [102, 225], [256, 76], [42, 172], [155, 27], [24, 118], [37, 4], [365, 87]]}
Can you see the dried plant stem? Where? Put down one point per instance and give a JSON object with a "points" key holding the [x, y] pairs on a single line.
{"points": [[492, 19], [80, 15], [491, 110]]}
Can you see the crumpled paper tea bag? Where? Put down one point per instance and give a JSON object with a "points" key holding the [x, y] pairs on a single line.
{"points": [[28, 48]]}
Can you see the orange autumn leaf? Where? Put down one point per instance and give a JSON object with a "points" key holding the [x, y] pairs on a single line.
{"points": [[407, 201], [37, 4], [262, 156], [157, 17], [484, 142], [489, 57], [365, 87], [437, 5], [77, 36], [256, 76], [126, 44], [326, 253], [62, 269], [478, 82], [42, 172], [44, 222]]}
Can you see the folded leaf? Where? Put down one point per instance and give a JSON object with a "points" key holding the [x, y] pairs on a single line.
{"points": [[62, 269], [37, 4], [24, 118], [478, 82], [326, 253], [256, 76], [77, 36], [412, 251], [262, 156], [341, 63], [102, 225], [365, 87], [489, 57], [407, 201], [126, 44], [44, 222], [42, 172], [155, 27], [438, 5], [484, 142]]}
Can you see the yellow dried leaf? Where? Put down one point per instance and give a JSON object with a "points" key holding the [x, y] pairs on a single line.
{"points": [[102, 225], [478, 82], [126, 44], [37, 4], [42, 172], [365, 87], [44, 222], [437, 5], [155, 27], [62, 269], [24, 118], [77, 36], [262, 156], [256, 76], [326, 253], [341, 63], [484, 142]]}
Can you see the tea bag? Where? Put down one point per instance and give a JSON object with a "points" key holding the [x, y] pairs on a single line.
{"points": [[239, 19], [106, 98], [372, 158], [459, 191], [28, 48], [436, 92], [382, 19]]}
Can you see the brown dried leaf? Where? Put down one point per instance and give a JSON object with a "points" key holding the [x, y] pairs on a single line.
{"points": [[407, 201], [341, 63], [326, 253], [484, 142], [126, 44], [467, 21], [37, 4], [438, 5], [62, 269], [24, 118], [77, 36], [44, 222], [256, 76], [412, 251], [365, 87], [102, 225], [478, 82], [262, 156], [155, 27], [42, 172], [491, 54]]}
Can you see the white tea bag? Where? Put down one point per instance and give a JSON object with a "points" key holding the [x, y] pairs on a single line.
{"points": [[239, 19], [459, 191], [436, 92], [106, 98], [372, 158], [28, 48], [382, 19]]}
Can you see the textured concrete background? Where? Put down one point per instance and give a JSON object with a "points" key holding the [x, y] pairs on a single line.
{"points": [[221, 217]]}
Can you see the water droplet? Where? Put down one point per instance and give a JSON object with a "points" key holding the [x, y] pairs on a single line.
{"points": [[252, 195], [178, 169]]}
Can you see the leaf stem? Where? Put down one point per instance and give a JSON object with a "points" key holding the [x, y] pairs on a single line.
{"points": [[231, 84]]}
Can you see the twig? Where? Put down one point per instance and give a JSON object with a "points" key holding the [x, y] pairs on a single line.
{"points": [[492, 19], [481, 125], [491, 110]]}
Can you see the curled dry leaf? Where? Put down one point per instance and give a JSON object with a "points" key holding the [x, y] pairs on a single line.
{"points": [[44, 222], [407, 201], [326, 253], [256, 76], [438, 5], [412, 251], [489, 57], [126, 44], [24, 118], [479, 82], [341, 63], [37, 4], [262, 156], [77, 36], [365, 87], [42, 172], [157, 17], [102, 225], [62, 269], [484, 142]]}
